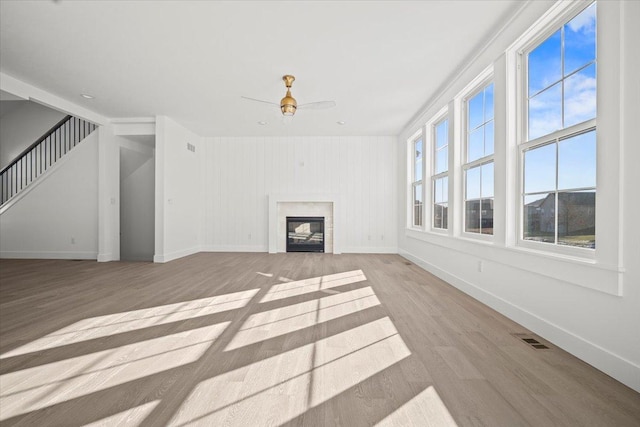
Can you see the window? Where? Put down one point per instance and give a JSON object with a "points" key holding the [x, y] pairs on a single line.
{"points": [[559, 154], [440, 177], [478, 169], [416, 185]]}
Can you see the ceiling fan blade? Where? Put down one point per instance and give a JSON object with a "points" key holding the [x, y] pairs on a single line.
{"points": [[260, 100], [320, 105]]}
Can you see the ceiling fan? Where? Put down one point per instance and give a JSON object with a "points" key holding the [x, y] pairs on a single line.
{"points": [[288, 105]]}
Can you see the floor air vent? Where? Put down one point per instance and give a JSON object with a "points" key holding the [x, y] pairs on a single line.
{"points": [[527, 338]]}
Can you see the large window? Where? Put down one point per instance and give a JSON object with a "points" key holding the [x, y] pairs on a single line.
{"points": [[416, 185], [440, 177], [559, 153], [478, 168]]}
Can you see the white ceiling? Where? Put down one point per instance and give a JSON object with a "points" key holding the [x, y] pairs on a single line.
{"points": [[192, 60]]}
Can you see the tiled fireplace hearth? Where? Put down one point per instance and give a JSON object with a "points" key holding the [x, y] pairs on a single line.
{"points": [[300, 205]]}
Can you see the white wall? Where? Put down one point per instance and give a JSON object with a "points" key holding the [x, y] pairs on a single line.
{"points": [[179, 191], [108, 194], [57, 216], [137, 207], [599, 326], [242, 172], [22, 126]]}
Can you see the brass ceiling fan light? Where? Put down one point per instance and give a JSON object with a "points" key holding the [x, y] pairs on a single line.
{"points": [[288, 104]]}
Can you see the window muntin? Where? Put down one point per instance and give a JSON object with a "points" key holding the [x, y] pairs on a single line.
{"points": [[559, 162], [416, 186], [441, 147], [478, 169], [440, 179], [417, 205], [561, 71], [440, 202], [560, 191], [479, 199], [480, 124]]}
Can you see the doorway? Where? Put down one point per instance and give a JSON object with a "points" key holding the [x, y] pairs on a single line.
{"points": [[137, 201]]}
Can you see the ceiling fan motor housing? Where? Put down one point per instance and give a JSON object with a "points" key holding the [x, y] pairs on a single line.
{"points": [[288, 104]]}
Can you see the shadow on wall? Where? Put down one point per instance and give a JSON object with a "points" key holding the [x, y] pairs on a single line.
{"points": [[21, 124]]}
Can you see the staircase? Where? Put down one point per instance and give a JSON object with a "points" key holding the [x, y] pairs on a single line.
{"points": [[41, 155]]}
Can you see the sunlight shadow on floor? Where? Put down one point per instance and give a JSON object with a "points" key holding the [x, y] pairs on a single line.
{"points": [[42, 386], [424, 410], [314, 284], [111, 324], [280, 321], [130, 417], [277, 389]]}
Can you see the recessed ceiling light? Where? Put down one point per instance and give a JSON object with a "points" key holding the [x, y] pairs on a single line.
{"points": [[341, 122], [84, 95], [262, 123]]}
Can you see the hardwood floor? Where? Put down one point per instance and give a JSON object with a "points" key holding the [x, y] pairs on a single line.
{"points": [[287, 339]]}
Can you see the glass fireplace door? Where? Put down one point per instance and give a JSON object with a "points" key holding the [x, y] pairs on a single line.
{"points": [[305, 234]]}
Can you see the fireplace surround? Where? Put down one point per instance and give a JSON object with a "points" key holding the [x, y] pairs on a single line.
{"points": [[311, 205]]}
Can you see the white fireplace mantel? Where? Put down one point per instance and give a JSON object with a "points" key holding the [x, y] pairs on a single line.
{"points": [[275, 199]]}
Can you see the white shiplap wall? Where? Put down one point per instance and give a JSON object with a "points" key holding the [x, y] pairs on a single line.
{"points": [[241, 172]]}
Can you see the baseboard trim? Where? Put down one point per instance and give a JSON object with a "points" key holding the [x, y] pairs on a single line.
{"points": [[369, 250], [175, 255], [613, 365], [49, 255], [235, 248], [141, 258], [260, 248], [105, 257]]}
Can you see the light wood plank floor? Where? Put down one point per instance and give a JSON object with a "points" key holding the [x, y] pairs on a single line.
{"points": [[287, 339]]}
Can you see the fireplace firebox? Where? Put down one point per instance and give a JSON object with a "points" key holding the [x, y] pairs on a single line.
{"points": [[305, 234]]}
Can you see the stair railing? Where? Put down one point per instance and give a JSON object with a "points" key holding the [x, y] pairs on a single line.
{"points": [[42, 154]]}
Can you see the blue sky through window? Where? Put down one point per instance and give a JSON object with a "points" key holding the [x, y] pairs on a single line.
{"points": [[576, 165], [553, 82], [562, 92], [480, 124]]}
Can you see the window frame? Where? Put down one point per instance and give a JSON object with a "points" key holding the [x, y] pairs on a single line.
{"points": [[528, 44], [411, 142], [431, 125], [482, 81], [604, 269]]}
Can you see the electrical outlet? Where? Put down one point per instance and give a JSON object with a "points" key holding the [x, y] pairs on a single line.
{"points": [[73, 240], [249, 236], [480, 266]]}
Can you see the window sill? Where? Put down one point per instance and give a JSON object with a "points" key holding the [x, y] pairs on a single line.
{"points": [[557, 251], [584, 272], [439, 232]]}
